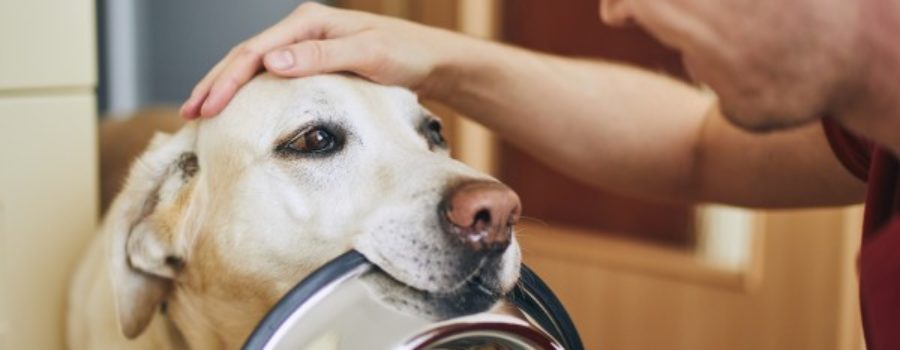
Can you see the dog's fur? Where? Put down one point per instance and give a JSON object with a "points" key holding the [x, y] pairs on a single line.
{"points": [[123, 138], [217, 221]]}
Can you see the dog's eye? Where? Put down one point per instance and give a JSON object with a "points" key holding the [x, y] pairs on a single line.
{"points": [[432, 131], [313, 141]]}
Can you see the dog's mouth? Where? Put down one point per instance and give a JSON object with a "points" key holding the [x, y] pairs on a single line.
{"points": [[478, 292], [434, 275]]}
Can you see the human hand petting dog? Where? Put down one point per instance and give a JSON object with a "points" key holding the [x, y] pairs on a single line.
{"points": [[317, 39]]}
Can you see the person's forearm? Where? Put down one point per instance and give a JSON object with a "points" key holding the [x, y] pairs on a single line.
{"points": [[611, 125]]}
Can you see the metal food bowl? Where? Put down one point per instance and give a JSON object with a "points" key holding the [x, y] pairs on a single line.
{"points": [[344, 305]]}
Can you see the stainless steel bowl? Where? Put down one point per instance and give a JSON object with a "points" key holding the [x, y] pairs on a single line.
{"points": [[351, 304]]}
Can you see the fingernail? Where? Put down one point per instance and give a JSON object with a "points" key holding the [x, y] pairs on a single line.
{"points": [[280, 60], [187, 110]]}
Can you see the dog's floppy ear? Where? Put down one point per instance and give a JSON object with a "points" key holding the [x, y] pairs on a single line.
{"points": [[145, 228]]}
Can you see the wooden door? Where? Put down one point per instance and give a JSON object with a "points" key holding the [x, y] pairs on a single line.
{"points": [[573, 28]]}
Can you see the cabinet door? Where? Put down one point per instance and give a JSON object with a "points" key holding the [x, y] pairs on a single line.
{"points": [[47, 43], [48, 209]]}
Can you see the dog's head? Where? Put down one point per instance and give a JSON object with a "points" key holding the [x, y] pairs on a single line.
{"points": [[219, 220]]}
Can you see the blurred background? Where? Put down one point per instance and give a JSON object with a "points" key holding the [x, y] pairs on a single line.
{"points": [[83, 85], [153, 52]]}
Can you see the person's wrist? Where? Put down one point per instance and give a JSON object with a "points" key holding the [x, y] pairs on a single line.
{"points": [[461, 61]]}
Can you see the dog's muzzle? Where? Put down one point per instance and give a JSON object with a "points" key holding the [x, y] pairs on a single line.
{"points": [[351, 304]]}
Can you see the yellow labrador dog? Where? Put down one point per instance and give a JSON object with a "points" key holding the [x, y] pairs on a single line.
{"points": [[218, 220]]}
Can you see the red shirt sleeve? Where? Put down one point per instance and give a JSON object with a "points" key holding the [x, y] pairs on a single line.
{"points": [[854, 152]]}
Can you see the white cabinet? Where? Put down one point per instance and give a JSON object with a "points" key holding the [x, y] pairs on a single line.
{"points": [[48, 198], [47, 44], [48, 163]]}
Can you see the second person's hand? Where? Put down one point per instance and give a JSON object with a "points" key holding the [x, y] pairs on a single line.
{"points": [[317, 39]]}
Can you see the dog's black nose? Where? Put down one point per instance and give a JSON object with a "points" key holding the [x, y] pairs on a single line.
{"points": [[481, 214]]}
